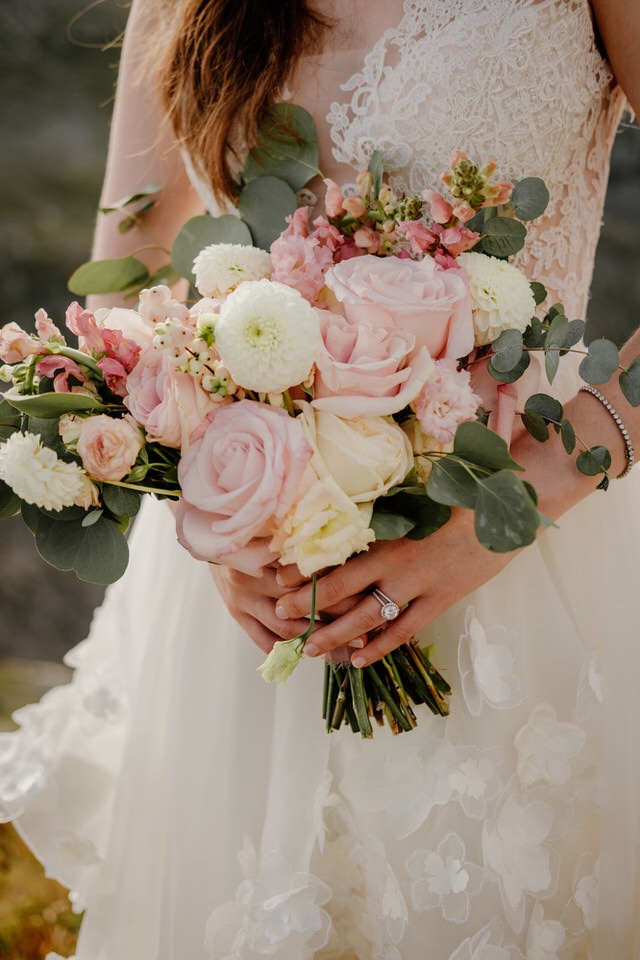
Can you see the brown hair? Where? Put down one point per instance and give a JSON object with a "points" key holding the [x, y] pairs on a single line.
{"points": [[223, 65]]}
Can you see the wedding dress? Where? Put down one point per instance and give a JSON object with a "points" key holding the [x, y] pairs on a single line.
{"points": [[201, 814]]}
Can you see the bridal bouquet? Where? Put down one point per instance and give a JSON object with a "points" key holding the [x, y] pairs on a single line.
{"points": [[336, 390]]}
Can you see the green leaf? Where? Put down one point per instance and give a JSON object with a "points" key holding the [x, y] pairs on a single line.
{"points": [[424, 514], [121, 501], [287, 148], [390, 526], [9, 420], [601, 363], [629, 383], [574, 334], [30, 514], [507, 351], [10, 502], [200, 232], [536, 426], [264, 205], [535, 334], [568, 436], [555, 338], [544, 406], [143, 192], [98, 554], [166, 274], [108, 276], [594, 461], [48, 406], [502, 237], [510, 376], [506, 517], [376, 169], [92, 517], [451, 484], [530, 198], [477, 444], [539, 292]]}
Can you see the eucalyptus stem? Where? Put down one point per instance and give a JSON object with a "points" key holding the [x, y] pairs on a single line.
{"points": [[141, 489]]}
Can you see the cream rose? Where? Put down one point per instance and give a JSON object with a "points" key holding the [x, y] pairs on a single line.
{"points": [[366, 456], [109, 447], [416, 295]]}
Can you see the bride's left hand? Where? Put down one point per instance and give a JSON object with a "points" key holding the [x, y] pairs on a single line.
{"points": [[425, 577]]}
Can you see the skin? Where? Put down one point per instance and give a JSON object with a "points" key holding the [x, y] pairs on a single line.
{"points": [[429, 575]]}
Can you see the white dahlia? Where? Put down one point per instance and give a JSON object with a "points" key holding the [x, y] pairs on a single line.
{"points": [[221, 267], [501, 296], [268, 336], [37, 475]]}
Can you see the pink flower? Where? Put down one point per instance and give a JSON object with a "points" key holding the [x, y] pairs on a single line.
{"points": [[364, 368], [421, 239], [367, 240], [102, 338], [458, 239], [445, 401], [47, 330], [240, 478], [115, 375], [168, 404], [355, 206], [441, 209], [109, 447], [16, 344], [300, 262], [464, 211], [416, 295], [60, 369], [327, 235], [333, 200], [84, 325]]}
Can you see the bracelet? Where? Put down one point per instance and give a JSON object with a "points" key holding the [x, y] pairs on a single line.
{"points": [[629, 452]]}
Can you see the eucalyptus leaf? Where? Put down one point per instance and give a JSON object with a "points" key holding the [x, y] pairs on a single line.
{"points": [[507, 351], [108, 276], [474, 442], [47, 406], [535, 334], [555, 338], [10, 503], [200, 232], [539, 292], [166, 274], [92, 517], [530, 198], [287, 147], [9, 420], [502, 237], [97, 554], [451, 484], [568, 436], [30, 514], [390, 526], [536, 426], [544, 406], [506, 518], [425, 514], [574, 334], [376, 169], [630, 383], [594, 461], [510, 376], [143, 192], [264, 205], [121, 501], [601, 362]]}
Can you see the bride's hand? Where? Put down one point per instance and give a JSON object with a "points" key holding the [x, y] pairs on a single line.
{"points": [[424, 576]]}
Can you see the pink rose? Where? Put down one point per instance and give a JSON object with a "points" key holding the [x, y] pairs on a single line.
{"points": [[134, 327], [240, 478], [416, 295], [445, 401], [109, 447], [168, 404], [16, 344], [364, 369]]}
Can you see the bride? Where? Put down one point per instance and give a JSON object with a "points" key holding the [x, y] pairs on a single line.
{"points": [[196, 812]]}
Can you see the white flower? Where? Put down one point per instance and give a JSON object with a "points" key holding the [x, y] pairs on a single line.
{"points": [[546, 747], [443, 878], [37, 475], [487, 668], [268, 336], [221, 267], [284, 657], [501, 296], [544, 937]]}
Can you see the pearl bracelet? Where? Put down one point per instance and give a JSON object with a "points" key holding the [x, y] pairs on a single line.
{"points": [[629, 452]]}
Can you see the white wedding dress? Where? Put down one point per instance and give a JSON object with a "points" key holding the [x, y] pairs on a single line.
{"points": [[201, 814]]}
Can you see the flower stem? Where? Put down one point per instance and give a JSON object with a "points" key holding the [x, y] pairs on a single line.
{"points": [[141, 489]]}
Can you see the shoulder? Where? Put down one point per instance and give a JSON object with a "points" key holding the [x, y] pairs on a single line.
{"points": [[618, 23]]}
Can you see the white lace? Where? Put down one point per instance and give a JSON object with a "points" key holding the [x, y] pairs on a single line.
{"points": [[403, 104]]}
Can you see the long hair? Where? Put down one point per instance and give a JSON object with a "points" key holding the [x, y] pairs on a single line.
{"points": [[220, 71]]}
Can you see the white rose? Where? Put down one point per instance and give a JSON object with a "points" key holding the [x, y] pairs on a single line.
{"points": [[221, 267], [323, 529], [366, 456], [500, 294]]}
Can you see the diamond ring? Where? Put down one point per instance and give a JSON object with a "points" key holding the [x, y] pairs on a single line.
{"points": [[389, 609]]}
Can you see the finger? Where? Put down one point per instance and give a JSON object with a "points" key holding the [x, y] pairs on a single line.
{"points": [[394, 634], [290, 576], [266, 585], [357, 623], [333, 588]]}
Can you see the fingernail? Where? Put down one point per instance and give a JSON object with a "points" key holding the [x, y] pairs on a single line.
{"points": [[358, 662], [358, 643], [311, 650], [279, 580], [281, 613]]}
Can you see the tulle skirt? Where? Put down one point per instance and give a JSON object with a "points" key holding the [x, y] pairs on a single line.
{"points": [[197, 812]]}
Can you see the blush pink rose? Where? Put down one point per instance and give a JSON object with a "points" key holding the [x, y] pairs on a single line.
{"points": [[433, 303], [364, 369], [445, 401], [109, 447], [240, 478], [168, 404]]}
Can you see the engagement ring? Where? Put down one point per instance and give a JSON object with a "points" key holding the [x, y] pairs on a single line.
{"points": [[389, 609]]}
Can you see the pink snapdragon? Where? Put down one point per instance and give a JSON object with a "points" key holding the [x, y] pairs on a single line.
{"points": [[16, 345], [333, 201], [61, 369]]}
